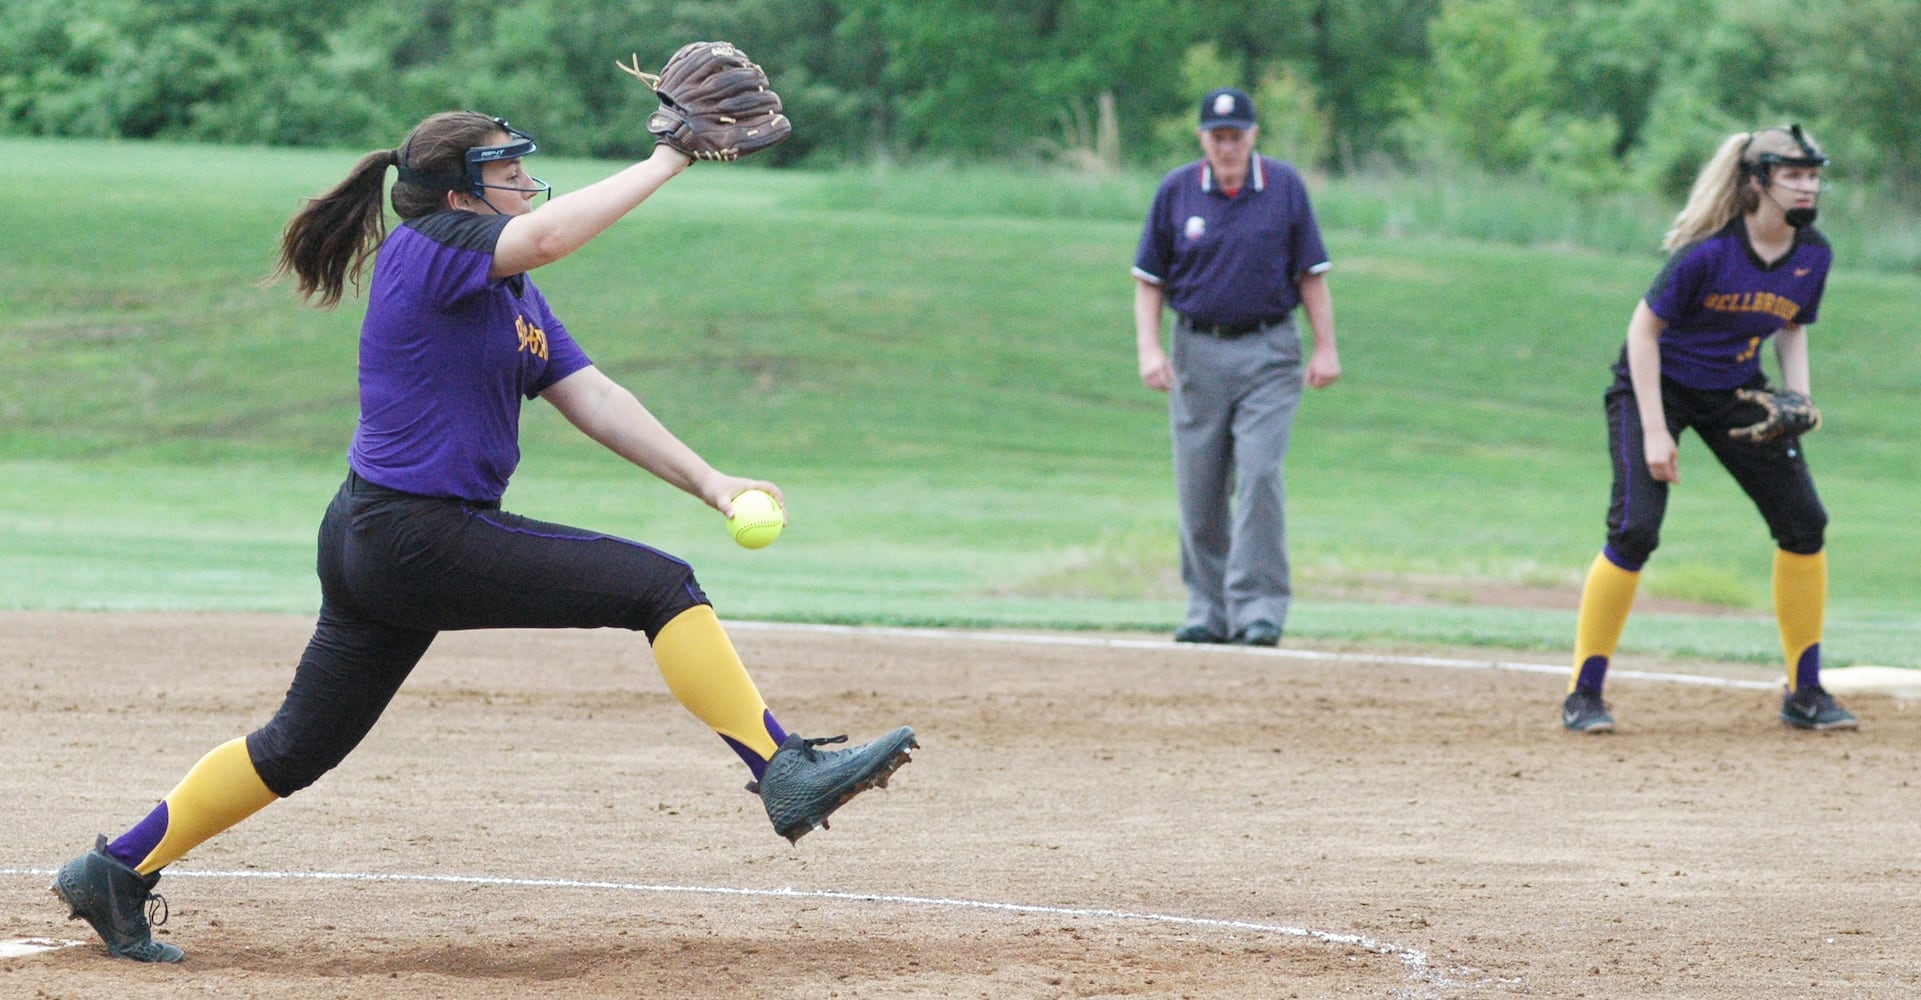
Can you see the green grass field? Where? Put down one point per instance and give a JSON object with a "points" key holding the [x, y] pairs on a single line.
{"points": [[947, 396]]}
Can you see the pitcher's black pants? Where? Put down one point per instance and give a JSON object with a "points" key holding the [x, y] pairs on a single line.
{"points": [[396, 569]]}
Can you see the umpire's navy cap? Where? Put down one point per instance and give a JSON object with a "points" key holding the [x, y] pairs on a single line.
{"points": [[1227, 108]]}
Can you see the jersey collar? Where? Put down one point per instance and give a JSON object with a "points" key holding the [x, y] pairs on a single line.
{"points": [[1256, 174]]}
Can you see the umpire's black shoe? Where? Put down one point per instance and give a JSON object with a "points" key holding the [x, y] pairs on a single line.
{"points": [[802, 785], [1259, 634], [1813, 707], [1198, 633], [117, 901], [1584, 712]]}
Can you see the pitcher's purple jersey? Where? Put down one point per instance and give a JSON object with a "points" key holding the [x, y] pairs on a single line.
{"points": [[446, 356], [1721, 302]]}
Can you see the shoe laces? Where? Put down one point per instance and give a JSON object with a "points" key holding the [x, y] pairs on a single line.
{"points": [[1818, 697], [807, 746], [156, 904]]}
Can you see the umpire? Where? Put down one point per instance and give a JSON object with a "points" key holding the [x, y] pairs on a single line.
{"points": [[1231, 246]]}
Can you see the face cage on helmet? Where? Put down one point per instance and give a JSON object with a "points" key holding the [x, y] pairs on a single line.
{"points": [[520, 145], [1762, 166]]}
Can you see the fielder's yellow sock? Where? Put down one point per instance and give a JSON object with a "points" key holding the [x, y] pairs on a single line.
{"points": [[221, 790], [704, 672], [1605, 601], [1800, 608]]}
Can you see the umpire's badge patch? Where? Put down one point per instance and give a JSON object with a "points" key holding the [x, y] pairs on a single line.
{"points": [[1196, 227]]}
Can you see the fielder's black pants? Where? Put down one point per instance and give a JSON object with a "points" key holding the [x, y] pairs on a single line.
{"points": [[1774, 474], [396, 569]]}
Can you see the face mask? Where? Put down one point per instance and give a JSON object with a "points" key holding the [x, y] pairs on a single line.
{"points": [[1801, 218]]}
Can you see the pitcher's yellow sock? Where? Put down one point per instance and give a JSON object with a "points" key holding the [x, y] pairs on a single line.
{"points": [[221, 790], [1606, 599], [1800, 608], [704, 672]]}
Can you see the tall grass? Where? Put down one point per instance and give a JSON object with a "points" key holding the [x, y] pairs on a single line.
{"points": [[1869, 230]]}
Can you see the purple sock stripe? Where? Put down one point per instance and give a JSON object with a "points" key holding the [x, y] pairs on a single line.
{"points": [[1594, 671], [754, 761], [1807, 672], [133, 846]]}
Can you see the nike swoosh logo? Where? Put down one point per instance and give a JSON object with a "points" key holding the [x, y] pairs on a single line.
{"points": [[1802, 272]]}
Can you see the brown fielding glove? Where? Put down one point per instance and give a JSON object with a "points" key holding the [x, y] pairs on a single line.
{"points": [[1786, 414], [714, 103]]}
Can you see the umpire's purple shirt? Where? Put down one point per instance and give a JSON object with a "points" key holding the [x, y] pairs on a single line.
{"points": [[1231, 260]]}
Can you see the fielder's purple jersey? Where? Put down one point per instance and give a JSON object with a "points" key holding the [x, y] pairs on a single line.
{"points": [[446, 356], [1721, 302], [1231, 260]]}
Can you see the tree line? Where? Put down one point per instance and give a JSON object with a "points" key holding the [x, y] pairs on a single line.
{"points": [[1587, 95]]}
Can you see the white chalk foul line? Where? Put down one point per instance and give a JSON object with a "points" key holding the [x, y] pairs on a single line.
{"points": [[1414, 960], [1185, 648]]}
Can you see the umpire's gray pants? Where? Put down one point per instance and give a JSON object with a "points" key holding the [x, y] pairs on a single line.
{"points": [[1232, 410]]}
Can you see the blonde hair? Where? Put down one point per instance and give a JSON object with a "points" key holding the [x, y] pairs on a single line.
{"points": [[1720, 191]]}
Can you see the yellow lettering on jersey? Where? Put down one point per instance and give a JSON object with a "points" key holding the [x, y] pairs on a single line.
{"points": [[1754, 346], [1744, 302], [532, 338]]}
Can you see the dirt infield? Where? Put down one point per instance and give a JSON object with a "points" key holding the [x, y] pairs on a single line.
{"points": [[536, 817]]}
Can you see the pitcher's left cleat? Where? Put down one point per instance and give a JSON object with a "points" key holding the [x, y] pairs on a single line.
{"points": [[1813, 707], [118, 902], [802, 785]]}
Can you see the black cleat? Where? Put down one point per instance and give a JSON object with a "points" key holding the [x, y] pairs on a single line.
{"points": [[118, 902], [1261, 633], [1814, 708], [802, 785], [1584, 712]]}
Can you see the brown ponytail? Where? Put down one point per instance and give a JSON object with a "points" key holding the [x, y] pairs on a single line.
{"points": [[328, 242]]}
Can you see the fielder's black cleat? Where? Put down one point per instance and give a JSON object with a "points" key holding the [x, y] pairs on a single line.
{"points": [[118, 902], [1584, 712], [1813, 707], [802, 785]]}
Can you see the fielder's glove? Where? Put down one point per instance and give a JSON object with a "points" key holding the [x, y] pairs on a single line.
{"points": [[714, 103], [1786, 414]]}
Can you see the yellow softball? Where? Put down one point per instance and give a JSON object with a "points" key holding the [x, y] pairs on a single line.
{"points": [[757, 519]]}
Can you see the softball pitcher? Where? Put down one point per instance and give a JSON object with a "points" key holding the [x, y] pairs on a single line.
{"points": [[415, 542], [1746, 265]]}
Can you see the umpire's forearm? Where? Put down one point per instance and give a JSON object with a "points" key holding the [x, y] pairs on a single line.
{"points": [[1318, 303], [1149, 299]]}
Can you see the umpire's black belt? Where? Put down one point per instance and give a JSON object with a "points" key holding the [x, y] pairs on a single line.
{"points": [[1229, 331]]}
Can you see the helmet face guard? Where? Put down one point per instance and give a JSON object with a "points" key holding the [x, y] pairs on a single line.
{"points": [[519, 144], [1763, 164], [1762, 167]]}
